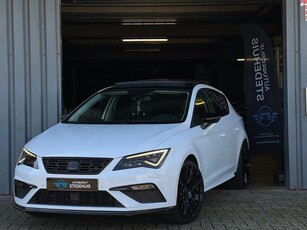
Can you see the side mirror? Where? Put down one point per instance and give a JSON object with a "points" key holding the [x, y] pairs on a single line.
{"points": [[209, 121]]}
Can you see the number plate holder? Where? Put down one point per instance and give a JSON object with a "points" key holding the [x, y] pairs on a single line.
{"points": [[69, 184]]}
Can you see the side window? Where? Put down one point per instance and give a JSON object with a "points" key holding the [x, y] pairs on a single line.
{"points": [[209, 103], [203, 108], [218, 101]]}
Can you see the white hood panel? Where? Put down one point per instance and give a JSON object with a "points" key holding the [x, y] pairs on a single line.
{"points": [[101, 140]]}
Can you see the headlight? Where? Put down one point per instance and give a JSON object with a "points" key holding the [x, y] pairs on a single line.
{"points": [[152, 159], [28, 158]]}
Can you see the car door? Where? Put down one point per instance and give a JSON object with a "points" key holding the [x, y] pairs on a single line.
{"points": [[229, 125], [209, 139]]}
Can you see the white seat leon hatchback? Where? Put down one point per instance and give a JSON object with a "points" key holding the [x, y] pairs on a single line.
{"points": [[135, 147]]}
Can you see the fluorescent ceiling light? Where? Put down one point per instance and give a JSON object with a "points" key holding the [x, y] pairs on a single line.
{"points": [[142, 50], [145, 40], [148, 22], [253, 59]]}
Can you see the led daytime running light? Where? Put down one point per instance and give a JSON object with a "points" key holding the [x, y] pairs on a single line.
{"points": [[150, 153], [29, 153]]}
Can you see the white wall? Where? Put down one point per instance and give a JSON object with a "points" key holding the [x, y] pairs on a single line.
{"points": [[30, 76]]}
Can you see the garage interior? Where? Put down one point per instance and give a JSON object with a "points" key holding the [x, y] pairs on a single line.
{"points": [[110, 41]]}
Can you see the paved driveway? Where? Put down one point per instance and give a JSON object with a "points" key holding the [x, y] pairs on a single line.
{"points": [[275, 208]]}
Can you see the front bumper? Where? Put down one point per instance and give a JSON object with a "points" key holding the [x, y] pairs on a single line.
{"points": [[106, 200]]}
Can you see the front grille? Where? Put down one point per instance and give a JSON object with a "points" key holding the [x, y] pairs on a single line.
{"points": [[81, 166], [145, 196], [85, 198]]}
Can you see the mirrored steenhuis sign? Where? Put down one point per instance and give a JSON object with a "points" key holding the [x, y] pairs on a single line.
{"points": [[261, 89]]}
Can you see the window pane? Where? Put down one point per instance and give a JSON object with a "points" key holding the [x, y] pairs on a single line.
{"points": [[218, 101], [134, 106]]}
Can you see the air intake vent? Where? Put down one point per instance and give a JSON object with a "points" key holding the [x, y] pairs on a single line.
{"points": [[86, 198]]}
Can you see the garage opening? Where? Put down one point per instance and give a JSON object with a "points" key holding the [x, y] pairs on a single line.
{"points": [[106, 42]]}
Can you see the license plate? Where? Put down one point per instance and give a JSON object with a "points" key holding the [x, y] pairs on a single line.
{"points": [[72, 184]]}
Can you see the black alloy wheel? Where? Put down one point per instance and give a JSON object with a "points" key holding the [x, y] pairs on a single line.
{"points": [[242, 175], [190, 194], [245, 166]]}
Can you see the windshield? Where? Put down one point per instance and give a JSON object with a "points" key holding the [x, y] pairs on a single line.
{"points": [[132, 106]]}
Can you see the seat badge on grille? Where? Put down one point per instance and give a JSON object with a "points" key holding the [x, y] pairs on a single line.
{"points": [[73, 165]]}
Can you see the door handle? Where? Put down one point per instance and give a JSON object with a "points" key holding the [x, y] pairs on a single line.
{"points": [[236, 129], [223, 135]]}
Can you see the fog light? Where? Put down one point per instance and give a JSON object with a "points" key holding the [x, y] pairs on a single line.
{"points": [[135, 187], [142, 193], [143, 187]]}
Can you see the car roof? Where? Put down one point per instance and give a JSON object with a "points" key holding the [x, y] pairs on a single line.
{"points": [[159, 83]]}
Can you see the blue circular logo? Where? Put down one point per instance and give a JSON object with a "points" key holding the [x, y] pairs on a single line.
{"points": [[265, 116], [61, 184]]}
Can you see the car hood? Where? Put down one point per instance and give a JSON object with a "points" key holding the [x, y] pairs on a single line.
{"points": [[101, 140]]}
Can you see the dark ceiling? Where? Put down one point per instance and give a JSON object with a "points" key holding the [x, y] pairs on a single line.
{"points": [[194, 29], [204, 41]]}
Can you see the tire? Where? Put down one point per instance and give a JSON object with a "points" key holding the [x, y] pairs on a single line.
{"points": [[189, 195], [242, 175]]}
